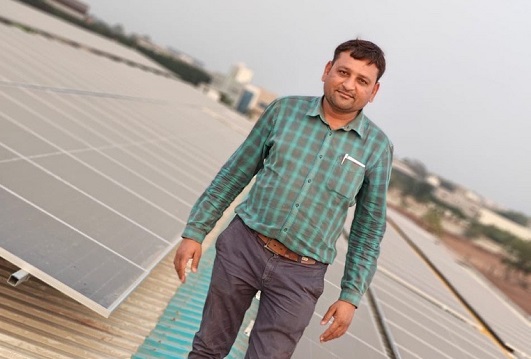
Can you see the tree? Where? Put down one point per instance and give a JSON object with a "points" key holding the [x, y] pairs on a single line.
{"points": [[433, 221], [520, 255], [474, 229], [226, 99], [447, 185], [409, 186], [419, 190], [416, 166]]}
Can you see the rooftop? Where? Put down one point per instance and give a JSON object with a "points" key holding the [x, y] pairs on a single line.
{"points": [[98, 158]]}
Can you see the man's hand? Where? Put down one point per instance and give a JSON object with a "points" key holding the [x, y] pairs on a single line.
{"points": [[188, 249], [342, 312]]}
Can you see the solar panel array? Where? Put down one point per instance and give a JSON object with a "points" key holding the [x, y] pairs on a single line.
{"points": [[15, 11], [99, 165], [493, 307], [409, 312]]}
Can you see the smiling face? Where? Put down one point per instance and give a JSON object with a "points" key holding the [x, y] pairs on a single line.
{"points": [[349, 84]]}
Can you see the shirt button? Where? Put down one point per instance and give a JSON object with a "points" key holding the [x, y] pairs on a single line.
{"points": [[309, 181], [285, 229], [329, 133], [320, 156], [296, 205]]}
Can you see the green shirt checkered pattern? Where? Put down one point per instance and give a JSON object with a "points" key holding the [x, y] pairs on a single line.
{"points": [[307, 176]]}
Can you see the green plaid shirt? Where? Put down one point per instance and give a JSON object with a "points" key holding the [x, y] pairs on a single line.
{"points": [[307, 176]]}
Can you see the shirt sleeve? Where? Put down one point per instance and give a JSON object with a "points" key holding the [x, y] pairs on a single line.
{"points": [[367, 230], [231, 179]]}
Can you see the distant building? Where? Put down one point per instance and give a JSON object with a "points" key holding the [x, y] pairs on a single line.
{"points": [[74, 8], [247, 100], [264, 99], [241, 74], [433, 180], [235, 89], [234, 83], [490, 218], [459, 198]]}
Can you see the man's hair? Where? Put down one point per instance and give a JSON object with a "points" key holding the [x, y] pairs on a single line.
{"points": [[363, 50]]}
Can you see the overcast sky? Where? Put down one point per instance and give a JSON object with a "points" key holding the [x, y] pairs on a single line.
{"points": [[455, 95]]}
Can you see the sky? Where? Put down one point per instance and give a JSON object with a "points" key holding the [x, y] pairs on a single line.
{"points": [[455, 96]]}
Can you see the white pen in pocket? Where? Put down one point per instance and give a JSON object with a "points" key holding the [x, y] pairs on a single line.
{"points": [[352, 159]]}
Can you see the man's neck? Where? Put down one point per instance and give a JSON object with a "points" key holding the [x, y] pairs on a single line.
{"points": [[338, 120]]}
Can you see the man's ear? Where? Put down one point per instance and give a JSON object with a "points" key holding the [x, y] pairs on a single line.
{"points": [[374, 91], [326, 71]]}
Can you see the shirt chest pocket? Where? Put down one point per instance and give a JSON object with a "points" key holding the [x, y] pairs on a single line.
{"points": [[347, 177]]}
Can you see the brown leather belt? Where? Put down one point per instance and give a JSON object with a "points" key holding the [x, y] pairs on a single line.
{"points": [[276, 247]]}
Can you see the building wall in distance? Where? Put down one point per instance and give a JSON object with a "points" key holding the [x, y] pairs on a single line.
{"points": [[490, 218], [264, 99]]}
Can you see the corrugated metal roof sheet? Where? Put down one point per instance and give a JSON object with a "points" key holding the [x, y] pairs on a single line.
{"points": [[173, 335], [40, 322]]}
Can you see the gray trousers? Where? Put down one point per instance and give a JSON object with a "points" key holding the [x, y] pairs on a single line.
{"points": [[289, 292]]}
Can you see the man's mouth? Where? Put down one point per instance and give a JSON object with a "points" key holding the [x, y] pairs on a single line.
{"points": [[345, 94]]}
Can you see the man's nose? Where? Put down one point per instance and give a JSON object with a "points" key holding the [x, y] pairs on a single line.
{"points": [[349, 84]]}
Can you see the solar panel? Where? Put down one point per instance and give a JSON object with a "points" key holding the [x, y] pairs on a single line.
{"points": [[399, 261], [506, 321], [422, 330], [99, 165], [362, 338], [408, 312], [27, 15]]}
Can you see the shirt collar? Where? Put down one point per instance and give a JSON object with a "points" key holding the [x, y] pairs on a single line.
{"points": [[358, 124]]}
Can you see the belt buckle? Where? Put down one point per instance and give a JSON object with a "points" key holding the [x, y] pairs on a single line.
{"points": [[269, 248]]}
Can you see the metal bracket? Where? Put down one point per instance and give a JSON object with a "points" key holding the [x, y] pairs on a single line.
{"points": [[18, 277]]}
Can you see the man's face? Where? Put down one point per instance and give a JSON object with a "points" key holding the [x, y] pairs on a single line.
{"points": [[349, 84]]}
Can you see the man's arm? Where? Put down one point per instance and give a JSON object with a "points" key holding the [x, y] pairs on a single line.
{"points": [[367, 230], [232, 178]]}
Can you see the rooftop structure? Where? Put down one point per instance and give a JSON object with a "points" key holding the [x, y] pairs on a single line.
{"points": [[95, 154]]}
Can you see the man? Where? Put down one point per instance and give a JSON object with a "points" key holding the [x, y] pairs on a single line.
{"points": [[313, 157]]}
